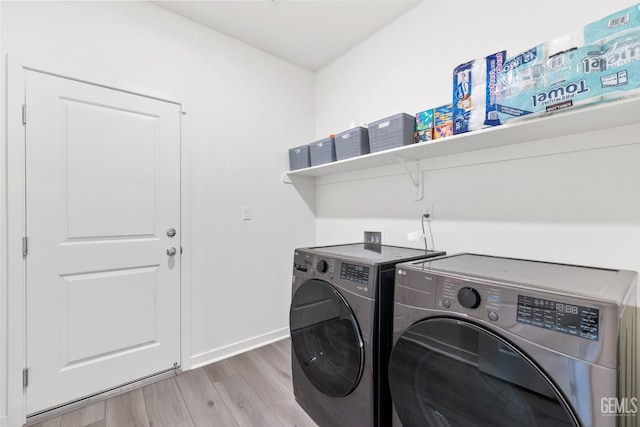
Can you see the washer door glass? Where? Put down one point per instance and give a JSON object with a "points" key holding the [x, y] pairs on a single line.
{"points": [[446, 372], [326, 339]]}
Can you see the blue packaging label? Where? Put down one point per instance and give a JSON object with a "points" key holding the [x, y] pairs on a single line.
{"points": [[622, 50], [443, 115], [612, 25], [511, 111], [442, 121], [462, 97], [494, 64], [559, 93], [525, 58], [621, 58], [424, 120], [573, 63]]}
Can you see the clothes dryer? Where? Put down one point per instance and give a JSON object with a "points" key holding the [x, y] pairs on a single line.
{"points": [[490, 341], [341, 323]]}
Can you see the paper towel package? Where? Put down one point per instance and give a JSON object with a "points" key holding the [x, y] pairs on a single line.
{"points": [[424, 126], [569, 57], [618, 36], [572, 63], [522, 76], [443, 121], [553, 76], [613, 25], [620, 76], [574, 90]]}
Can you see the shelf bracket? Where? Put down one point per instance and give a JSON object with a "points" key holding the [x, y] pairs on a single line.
{"points": [[296, 179], [286, 178], [412, 167]]}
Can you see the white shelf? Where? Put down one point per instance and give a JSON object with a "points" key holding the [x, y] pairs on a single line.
{"points": [[588, 119]]}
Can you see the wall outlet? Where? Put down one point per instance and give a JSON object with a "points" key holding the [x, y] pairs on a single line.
{"points": [[428, 212], [373, 237]]}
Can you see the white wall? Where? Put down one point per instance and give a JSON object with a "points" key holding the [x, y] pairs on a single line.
{"points": [[577, 207], [3, 264], [245, 108]]}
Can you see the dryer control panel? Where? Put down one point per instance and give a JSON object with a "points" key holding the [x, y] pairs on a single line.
{"points": [[521, 299], [354, 277], [354, 273]]}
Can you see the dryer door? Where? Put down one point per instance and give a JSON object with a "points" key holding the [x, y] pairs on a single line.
{"points": [[446, 372], [326, 339]]}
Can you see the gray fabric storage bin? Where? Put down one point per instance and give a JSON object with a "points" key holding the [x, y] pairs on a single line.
{"points": [[391, 132], [322, 152], [299, 157], [352, 143]]}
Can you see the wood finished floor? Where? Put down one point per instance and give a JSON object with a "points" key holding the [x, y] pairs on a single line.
{"points": [[250, 389]]}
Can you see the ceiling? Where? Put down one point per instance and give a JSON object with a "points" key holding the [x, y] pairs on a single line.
{"points": [[309, 33]]}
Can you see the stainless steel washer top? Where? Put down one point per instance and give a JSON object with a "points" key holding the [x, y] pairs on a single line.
{"points": [[378, 254]]}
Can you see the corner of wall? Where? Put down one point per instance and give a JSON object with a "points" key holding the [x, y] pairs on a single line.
{"points": [[227, 351]]}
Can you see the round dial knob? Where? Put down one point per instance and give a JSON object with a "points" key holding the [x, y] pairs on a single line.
{"points": [[322, 266], [469, 297]]}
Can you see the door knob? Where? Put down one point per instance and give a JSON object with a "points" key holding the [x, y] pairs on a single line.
{"points": [[171, 251], [171, 232]]}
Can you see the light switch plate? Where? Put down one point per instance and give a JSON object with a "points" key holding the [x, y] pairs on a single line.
{"points": [[246, 213]]}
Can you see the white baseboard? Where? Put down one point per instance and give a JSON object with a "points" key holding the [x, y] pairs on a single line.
{"points": [[227, 351]]}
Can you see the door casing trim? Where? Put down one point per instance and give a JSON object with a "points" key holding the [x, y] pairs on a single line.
{"points": [[13, 228]]}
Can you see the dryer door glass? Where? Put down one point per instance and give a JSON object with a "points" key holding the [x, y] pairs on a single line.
{"points": [[446, 372], [326, 339]]}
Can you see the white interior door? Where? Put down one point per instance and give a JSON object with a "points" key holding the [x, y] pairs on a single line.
{"points": [[102, 189]]}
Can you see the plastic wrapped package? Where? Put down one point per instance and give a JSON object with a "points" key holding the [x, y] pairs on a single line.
{"points": [[474, 93], [613, 26], [621, 75], [522, 76]]}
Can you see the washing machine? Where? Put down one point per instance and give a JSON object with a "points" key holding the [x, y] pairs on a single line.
{"points": [[341, 323], [490, 341]]}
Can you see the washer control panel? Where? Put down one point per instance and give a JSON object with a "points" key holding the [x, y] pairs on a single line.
{"points": [[479, 300], [570, 319]]}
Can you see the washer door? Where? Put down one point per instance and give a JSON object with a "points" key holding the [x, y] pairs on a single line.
{"points": [[326, 339], [446, 372]]}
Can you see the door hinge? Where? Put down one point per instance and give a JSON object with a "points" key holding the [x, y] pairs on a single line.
{"points": [[25, 378], [25, 248], [24, 114]]}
